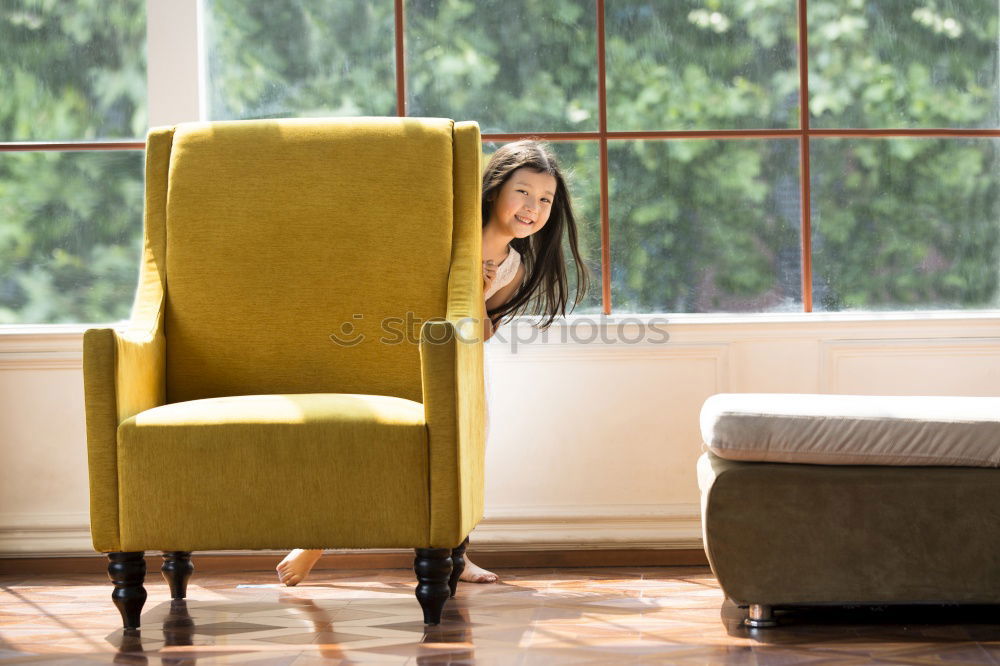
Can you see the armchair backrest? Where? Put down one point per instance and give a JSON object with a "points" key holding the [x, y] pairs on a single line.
{"points": [[302, 256]]}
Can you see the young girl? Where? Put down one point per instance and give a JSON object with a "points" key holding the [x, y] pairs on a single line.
{"points": [[526, 213]]}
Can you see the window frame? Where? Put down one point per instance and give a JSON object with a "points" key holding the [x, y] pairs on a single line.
{"points": [[176, 93], [803, 134]]}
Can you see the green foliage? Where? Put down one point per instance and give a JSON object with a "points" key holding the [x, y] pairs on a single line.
{"points": [[69, 235], [929, 238], [696, 225], [300, 58], [513, 67], [901, 223], [736, 250], [706, 225], [70, 223], [910, 63], [696, 64], [72, 70]]}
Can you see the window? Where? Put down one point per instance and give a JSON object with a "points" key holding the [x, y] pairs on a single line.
{"points": [[688, 125], [714, 169], [74, 103], [302, 58]]}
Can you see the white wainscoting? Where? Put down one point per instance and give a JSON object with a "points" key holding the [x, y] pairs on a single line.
{"points": [[594, 437], [949, 366]]}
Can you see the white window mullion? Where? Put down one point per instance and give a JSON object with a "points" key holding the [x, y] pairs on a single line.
{"points": [[174, 81]]}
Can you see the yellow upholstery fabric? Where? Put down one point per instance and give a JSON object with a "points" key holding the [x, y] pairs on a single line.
{"points": [[277, 212], [124, 372], [225, 416], [452, 358], [310, 466]]}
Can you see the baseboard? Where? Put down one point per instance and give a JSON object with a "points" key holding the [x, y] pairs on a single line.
{"points": [[546, 529], [383, 559]]}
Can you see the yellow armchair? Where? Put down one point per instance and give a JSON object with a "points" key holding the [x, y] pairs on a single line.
{"points": [[303, 367]]}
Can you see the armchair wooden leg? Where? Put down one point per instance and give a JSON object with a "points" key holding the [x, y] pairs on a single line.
{"points": [[127, 571], [457, 565], [176, 570], [433, 569]]}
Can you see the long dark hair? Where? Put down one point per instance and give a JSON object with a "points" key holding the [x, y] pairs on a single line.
{"points": [[545, 287]]}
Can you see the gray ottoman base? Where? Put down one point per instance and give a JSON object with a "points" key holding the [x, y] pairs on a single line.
{"points": [[779, 534]]}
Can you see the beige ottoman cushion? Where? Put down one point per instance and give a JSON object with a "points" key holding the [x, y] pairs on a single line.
{"points": [[853, 429]]}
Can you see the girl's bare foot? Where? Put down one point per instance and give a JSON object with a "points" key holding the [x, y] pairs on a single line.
{"points": [[476, 574], [296, 566]]}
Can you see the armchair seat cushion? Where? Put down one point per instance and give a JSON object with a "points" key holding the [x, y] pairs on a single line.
{"points": [[853, 429], [275, 471]]}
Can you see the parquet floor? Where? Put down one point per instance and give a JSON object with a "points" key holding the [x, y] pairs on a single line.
{"points": [[537, 616]]}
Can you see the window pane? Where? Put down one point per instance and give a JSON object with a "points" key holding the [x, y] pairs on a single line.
{"points": [[580, 164], [905, 223], [906, 63], [291, 58], [705, 226], [515, 66], [691, 64], [70, 235], [72, 71]]}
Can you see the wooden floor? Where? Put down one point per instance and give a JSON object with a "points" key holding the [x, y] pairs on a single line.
{"points": [[667, 615]]}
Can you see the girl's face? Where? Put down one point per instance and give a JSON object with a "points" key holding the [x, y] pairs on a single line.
{"points": [[523, 204]]}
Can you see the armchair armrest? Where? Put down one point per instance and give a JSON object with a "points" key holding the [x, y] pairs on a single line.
{"points": [[451, 359], [451, 354], [124, 373]]}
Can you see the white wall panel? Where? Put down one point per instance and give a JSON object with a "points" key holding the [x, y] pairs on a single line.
{"points": [[594, 425], [945, 366], [594, 443]]}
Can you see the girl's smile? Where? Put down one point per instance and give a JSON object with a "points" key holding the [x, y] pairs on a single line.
{"points": [[523, 204]]}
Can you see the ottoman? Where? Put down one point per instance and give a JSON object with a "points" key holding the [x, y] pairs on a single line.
{"points": [[828, 499]]}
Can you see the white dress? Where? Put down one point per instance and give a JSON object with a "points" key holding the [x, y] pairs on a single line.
{"points": [[505, 274]]}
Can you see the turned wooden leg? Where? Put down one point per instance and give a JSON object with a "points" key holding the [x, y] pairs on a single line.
{"points": [[127, 571], [457, 565], [176, 570], [433, 569]]}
